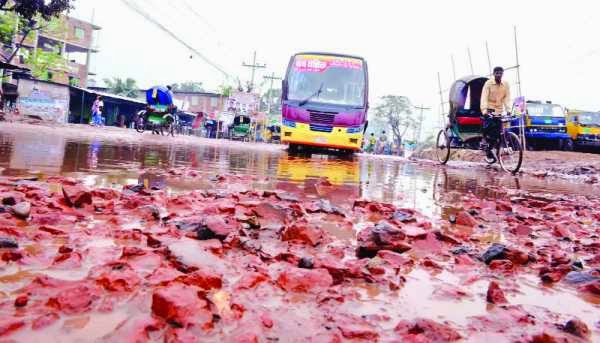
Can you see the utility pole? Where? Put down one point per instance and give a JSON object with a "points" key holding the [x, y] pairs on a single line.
{"points": [[272, 78], [470, 61], [253, 66], [518, 65], [418, 138], [487, 50], [441, 99]]}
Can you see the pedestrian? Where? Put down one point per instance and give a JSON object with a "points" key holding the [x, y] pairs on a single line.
{"points": [[382, 142], [372, 143], [97, 108]]}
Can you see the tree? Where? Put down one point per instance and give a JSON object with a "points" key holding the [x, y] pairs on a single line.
{"points": [[127, 88], [272, 97], [225, 90], [397, 112], [31, 9], [31, 14], [189, 86], [43, 62]]}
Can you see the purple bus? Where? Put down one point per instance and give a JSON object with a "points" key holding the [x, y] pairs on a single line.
{"points": [[325, 101]]}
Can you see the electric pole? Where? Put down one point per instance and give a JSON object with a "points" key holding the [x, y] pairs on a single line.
{"points": [[254, 66], [418, 138], [272, 78]]}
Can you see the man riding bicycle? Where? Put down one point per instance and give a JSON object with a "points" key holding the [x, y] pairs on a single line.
{"points": [[495, 98]]}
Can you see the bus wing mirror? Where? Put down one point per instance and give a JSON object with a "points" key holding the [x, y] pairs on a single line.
{"points": [[284, 89]]}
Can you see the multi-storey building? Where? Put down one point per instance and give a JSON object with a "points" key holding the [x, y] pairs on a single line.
{"points": [[74, 39]]}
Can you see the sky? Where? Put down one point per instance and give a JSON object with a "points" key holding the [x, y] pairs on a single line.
{"points": [[406, 43]]}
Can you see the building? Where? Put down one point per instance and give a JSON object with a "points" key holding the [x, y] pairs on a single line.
{"points": [[204, 102], [74, 39]]}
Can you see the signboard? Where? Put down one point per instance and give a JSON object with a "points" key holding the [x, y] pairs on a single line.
{"points": [[243, 103], [48, 101], [320, 63]]}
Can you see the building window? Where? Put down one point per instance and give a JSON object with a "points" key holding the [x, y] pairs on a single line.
{"points": [[195, 101], [79, 33], [213, 102]]}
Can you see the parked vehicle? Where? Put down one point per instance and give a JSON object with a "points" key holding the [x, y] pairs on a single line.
{"points": [[465, 124], [584, 128], [159, 115], [240, 129], [325, 102], [546, 127]]}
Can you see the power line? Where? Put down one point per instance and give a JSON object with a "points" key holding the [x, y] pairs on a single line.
{"points": [[134, 7]]}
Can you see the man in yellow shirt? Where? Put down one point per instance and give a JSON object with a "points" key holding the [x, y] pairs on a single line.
{"points": [[495, 98]]}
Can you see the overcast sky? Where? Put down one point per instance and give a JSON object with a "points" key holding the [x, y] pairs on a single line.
{"points": [[406, 43]]}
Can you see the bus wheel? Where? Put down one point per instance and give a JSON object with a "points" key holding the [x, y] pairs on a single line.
{"points": [[567, 145], [293, 148]]}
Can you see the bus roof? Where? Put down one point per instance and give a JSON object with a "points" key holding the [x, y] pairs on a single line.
{"points": [[328, 54]]}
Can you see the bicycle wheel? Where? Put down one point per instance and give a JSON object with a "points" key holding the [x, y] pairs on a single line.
{"points": [[510, 152], [442, 147], [140, 125]]}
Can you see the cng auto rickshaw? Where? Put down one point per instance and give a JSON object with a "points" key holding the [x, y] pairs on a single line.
{"points": [[584, 128], [159, 115], [240, 129], [465, 127]]}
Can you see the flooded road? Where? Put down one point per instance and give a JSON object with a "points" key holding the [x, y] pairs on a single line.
{"points": [[440, 277], [102, 162]]}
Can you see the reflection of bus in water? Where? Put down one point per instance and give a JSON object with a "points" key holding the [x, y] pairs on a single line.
{"points": [[304, 179], [336, 172], [325, 101]]}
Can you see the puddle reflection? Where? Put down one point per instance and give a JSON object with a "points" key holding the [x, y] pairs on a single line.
{"points": [[430, 190]]}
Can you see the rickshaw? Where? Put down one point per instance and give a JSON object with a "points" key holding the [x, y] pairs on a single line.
{"points": [[240, 129], [465, 127], [159, 115], [274, 133]]}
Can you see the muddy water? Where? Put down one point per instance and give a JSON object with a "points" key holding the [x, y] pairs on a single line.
{"points": [[435, 192], [113, 163]]}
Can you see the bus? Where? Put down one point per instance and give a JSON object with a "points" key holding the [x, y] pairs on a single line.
{"points": [[584, 128], [545, 126], [325, 102]]}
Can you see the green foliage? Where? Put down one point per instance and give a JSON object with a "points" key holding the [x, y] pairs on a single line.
{"points": [[189, 86], [226, 91], [397, 112], [32, 9], [118, 86], [42, 63], [272, 97], [7, 27]]}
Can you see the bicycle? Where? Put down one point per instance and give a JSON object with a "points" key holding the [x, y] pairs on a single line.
{"points": [[507, 149]]}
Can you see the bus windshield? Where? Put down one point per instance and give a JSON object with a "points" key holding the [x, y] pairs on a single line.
{"points": [[590, 118], [324, 79], [550, 110]]}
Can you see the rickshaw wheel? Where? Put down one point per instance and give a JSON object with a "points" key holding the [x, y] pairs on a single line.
{"points": [[442, 146], [510, 153], [140, 125]]}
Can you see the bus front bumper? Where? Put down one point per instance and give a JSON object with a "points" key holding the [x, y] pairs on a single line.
{"points": [[338, 138], [591, 140]]}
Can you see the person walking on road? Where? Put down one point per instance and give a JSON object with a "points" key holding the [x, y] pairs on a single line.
{"points": [[97, 108], [382, 143], [495, 98]]}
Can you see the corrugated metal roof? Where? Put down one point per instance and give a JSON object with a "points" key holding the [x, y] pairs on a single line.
{"points": [[109, 95]]}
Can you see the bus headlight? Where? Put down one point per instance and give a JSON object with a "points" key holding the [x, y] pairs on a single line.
{"points": [[355, 129], [288, 123]]}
